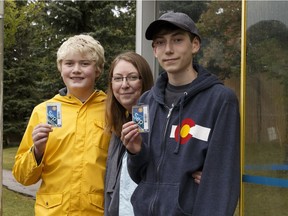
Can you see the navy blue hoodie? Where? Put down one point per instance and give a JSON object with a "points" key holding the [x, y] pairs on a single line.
{"points": [[201, 132]]}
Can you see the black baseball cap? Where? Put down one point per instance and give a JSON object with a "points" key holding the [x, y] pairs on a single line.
{"points": [[181, 20]]}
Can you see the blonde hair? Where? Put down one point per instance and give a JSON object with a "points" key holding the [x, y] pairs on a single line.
{"points": [[84, 45]]}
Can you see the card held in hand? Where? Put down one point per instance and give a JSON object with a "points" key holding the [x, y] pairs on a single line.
{"points": [[54, 115], [140, 115]]}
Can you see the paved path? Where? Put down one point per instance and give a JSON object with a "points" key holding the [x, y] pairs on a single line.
{"points": [[10, 182]]}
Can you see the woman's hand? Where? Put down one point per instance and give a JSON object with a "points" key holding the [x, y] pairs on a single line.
{"points": [[131, 138], [197, 176]]}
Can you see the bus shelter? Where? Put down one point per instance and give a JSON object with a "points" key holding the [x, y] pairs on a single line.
{"points": [[248, 48]]}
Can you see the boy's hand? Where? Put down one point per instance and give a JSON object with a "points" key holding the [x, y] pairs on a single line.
{"points": [[131, 137], [40, 136]]}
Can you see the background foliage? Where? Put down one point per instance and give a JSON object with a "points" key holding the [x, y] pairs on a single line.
{"points": [[35, 29]]}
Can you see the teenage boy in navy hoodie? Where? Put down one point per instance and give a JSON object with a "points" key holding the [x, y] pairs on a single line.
{"points": [[194, 125]]}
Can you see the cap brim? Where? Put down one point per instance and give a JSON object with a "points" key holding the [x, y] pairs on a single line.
{"points": [[154, 26]]}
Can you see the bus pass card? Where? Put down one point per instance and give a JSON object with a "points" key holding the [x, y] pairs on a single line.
{"points": [[140, 115], [54, 115]]}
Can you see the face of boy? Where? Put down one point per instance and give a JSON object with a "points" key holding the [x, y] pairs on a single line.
{"points": [[174, 50], [79, 75], [126, 92]]}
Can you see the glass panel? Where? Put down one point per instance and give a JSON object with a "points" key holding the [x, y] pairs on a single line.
{"points": [[266, 148], [219, 24]]}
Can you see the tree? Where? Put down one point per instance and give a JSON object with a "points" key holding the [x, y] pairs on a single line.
{"points": [[35, 30], [19, 71], [220, 27], [194, 9], [219, 24]]}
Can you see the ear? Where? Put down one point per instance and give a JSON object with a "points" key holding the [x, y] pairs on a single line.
{"points": [[195, 45], [60, 71], [98, 73], [155, 52], [59, 66]]}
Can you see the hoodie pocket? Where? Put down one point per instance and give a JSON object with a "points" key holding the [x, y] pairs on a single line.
{"points": [[159, 199], [142, 197]]}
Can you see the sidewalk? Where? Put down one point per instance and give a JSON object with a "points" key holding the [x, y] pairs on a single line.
{"points": [[10, 182]]}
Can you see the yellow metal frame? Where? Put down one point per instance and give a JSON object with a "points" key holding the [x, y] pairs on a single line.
{"points": [[242, 102]]}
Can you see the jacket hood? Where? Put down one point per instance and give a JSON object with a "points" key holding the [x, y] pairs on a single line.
{"points": [[97, 95], [203, 81]]}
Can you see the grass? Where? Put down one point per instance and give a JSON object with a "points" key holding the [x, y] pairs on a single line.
{"points": [[258, 199], [8, 157], [25, 204], [14, 204]]}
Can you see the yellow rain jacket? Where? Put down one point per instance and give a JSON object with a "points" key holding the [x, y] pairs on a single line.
{"points": [[74, 162]]}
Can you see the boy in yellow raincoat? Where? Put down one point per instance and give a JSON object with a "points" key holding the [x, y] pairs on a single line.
{"points": [[65, 144]]}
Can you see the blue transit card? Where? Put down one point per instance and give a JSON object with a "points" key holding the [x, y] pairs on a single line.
{"points": [[53, 113], [140, 115]]}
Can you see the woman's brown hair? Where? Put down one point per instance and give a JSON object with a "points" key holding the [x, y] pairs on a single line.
{"points": [[116, 114]]}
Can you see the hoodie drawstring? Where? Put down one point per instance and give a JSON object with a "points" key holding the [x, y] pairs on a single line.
{"points": [[179, 122]]}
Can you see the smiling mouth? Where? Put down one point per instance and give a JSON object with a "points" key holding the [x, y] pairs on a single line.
{"points": [[77, 78], [169, 60]]}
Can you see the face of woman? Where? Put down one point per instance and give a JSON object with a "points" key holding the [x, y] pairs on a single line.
{"points": [[126, 84]]}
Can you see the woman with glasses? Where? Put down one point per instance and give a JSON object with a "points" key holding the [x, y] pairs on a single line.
{"points": [[129, 77]]}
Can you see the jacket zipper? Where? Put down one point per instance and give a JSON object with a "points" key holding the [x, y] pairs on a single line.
{"points": [[163, 150]]}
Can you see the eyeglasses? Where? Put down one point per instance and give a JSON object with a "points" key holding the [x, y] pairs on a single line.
{"points": [[129, 78]]}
